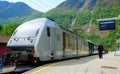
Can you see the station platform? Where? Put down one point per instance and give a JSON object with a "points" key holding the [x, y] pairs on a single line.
{"points": [[7, 69], [110, 64]]}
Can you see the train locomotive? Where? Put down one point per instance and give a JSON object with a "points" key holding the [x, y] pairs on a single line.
{"points": [[42, 39]]}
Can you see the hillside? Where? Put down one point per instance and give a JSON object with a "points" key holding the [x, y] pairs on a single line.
{"points": [[84, 10], [79, 4], [16, 12], [81, 15], [77, 15]]}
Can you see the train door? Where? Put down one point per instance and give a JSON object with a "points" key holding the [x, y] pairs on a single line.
{"points": [[64, 43], [77, 46], [90, 48], [52, 43]]}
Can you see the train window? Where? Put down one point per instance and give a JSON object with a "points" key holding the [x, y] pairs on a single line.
{"points": [[14, 33], [37, 32], [48, 31]]}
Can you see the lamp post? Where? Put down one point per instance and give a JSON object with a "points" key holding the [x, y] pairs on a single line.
{"points": [[118, 41]]}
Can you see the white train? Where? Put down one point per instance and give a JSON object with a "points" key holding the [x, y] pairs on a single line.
{"points": [[43, 40]]}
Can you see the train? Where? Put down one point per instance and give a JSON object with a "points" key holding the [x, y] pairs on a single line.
{"points": [[42, 39]]}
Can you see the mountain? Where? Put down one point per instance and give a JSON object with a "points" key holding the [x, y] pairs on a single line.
{"points": [[79, 4], [16, 12], [79, 13], [90, 4], [81, 16]]}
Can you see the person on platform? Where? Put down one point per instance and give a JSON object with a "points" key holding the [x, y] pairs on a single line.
{"points": [[100, 51]]}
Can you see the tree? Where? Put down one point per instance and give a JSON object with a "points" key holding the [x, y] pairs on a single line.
{"points": [[9, 29], [1, 27]]}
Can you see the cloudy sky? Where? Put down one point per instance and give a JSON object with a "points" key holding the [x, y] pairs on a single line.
{"points": [[40, 5]]}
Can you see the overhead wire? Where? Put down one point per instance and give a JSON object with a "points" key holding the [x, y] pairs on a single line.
{"points": [[46, 4], [38, 4]]}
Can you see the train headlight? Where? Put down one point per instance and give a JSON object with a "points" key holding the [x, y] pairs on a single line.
{"points": [[35, 61]]}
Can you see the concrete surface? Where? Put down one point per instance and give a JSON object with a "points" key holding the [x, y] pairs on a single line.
{"points": [[110, 64], [7, 69]]}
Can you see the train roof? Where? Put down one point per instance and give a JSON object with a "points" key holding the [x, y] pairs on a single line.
{"points": [[43, 22], [39, 22], [91, 42], [68, 30]]}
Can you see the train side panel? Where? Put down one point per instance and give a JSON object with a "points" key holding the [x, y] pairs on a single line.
{"points": [[58, 50], [42, 46], [70, 46], [82, 47]]}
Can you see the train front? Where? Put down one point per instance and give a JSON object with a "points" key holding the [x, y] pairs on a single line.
{"points": [[21, 46]]}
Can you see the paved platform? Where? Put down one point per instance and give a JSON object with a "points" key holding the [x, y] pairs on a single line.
{"points": [[7, 69], [110, 64]]}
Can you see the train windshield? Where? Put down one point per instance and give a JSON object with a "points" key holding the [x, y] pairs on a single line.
{"points": [[26, 31]]}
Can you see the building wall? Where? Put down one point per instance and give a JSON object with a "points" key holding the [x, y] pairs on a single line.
{"points": [[2, 48]]}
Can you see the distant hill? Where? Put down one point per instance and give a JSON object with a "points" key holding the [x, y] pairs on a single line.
{"points": [[16, 12]]}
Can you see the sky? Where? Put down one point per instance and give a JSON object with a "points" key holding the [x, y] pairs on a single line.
{"points": [[40, 5]]}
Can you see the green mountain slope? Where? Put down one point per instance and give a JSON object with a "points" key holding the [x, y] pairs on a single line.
{"points": [[62, 15], [81, 15], [16, 12], [21, 19]]}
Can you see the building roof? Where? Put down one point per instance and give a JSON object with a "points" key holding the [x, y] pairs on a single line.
{"points": [[3, 38]]}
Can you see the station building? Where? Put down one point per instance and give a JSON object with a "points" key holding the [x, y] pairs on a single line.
{"points": [[3, 42]]}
